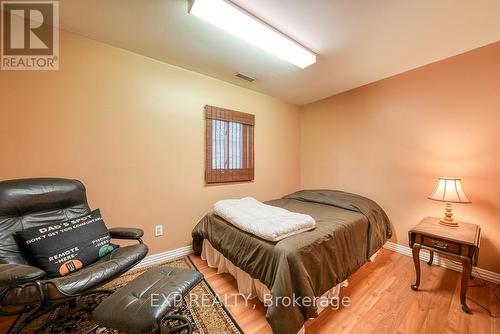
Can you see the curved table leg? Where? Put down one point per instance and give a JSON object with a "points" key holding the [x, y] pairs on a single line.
{"points": [[431, 258], [416, 262], [466, 273]]}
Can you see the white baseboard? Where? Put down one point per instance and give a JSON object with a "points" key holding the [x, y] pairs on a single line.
{"points": [[424, 256], [445, 263], [164, 256]]}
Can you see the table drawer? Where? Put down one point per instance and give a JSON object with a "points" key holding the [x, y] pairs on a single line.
{"points": [[444, 245]]}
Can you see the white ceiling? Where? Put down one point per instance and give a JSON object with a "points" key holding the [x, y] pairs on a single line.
{"points": [[357, 41]]}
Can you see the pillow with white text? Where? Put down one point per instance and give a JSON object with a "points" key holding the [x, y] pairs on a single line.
{"points": [[61, 248]]}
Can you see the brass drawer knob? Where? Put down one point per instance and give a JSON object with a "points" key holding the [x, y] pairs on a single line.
{"points": [[440, 244]]}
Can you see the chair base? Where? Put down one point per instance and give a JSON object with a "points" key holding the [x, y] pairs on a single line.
{"points": [[41, 310], [185, 324]]}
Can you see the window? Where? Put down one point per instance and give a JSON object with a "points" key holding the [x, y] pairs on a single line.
{"points": [[229, 145]]}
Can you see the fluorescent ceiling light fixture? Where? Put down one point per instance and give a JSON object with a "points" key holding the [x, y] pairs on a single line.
{"points": [[236, 21]]}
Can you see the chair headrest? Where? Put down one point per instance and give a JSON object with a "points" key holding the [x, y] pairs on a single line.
{"points": [[19, 197]]}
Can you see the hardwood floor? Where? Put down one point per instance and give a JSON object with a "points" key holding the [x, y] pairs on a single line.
{"points": [[381, 302]]}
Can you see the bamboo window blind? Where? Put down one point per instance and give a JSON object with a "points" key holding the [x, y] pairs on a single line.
{"points": [[229, 145]]}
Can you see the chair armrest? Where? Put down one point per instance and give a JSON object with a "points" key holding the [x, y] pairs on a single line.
{"points": [[16, 274], [126, 233]]}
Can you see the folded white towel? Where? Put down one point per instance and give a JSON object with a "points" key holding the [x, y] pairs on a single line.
{"points": [[265, 221]]}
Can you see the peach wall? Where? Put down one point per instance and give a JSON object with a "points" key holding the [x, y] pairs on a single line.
{"points": [[390, 140], [132, 129]]}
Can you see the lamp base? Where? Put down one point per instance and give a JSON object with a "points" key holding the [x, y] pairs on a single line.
{"points": [[448, 220], [452, 223]]}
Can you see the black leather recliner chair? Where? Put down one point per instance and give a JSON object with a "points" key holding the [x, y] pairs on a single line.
{"points": [[30, 202]]}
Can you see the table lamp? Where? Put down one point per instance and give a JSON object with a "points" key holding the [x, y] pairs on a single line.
{"points": [[449, 190]]}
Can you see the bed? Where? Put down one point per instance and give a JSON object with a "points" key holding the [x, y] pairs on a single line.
{"points": [[349, 230]]}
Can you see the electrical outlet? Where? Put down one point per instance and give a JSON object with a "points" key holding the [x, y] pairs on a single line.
{"points": [[158, 230]]}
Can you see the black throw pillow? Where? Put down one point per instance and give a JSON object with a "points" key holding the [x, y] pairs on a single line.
{"points": [[62, 248]]}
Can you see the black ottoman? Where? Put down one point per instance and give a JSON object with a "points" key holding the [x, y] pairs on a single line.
{"points": [[141, 305]]}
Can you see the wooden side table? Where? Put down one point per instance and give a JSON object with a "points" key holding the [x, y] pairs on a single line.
{"points": [[461, 243]]}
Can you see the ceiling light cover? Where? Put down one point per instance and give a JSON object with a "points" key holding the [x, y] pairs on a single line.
{"points": [[234, 20]]}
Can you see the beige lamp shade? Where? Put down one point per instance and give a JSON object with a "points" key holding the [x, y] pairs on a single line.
{"points": [[449, 189]]}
